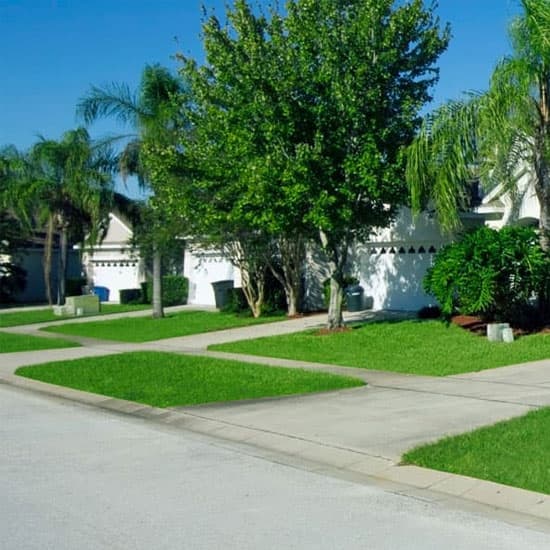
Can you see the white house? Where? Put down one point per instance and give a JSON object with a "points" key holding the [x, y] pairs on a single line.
{"points": [[113, 264], [390, 266]]}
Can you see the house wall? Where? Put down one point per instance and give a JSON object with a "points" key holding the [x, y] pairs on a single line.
{"points": [[113, 264], [202, 268], [31, 260], [390, 266]]}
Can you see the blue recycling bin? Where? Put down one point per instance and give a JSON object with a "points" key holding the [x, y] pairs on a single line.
{"points": [[102, 292]]}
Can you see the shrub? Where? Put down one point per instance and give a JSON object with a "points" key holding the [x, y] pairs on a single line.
{"points": [[236, 302], [13, 279], [73, 286], [130, 296], [274, 298], [175, 290], [429, 312], [490, 273]]}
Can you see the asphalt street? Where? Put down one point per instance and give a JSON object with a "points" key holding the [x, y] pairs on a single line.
{"points": [[77, 477]]}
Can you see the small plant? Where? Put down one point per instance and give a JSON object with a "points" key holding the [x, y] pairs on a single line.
{"points": [[429, 312], [130, 296], [494, 274], [73, 286]]}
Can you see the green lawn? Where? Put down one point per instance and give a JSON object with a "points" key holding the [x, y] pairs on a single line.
{"points": [[11, 319], [168, 380], [23, 342], [514, 452], [146, 329], [416, 347]]}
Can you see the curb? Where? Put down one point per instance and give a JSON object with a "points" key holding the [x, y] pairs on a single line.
{"points": [[316, 455]]}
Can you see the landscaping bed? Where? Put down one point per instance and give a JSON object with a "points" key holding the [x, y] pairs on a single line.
{"points": [[514, 452], [414, 346], [169, 380]]}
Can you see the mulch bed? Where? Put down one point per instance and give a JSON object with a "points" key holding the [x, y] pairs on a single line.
{"points": [[478, 326], [470, 322]]}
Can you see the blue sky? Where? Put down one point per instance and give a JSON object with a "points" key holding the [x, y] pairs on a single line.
{"points": [[51, 51]]}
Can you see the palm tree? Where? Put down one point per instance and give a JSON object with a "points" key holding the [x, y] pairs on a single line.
{"points": [[149, 112], [495, 136], [64, 185], [71, 185]]}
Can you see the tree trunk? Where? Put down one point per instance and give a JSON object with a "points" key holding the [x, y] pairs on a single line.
{"points": [[292, 257], [249, 257], [337, 257], [253, 285], [62, 270], [335, 317], [158, 310], [47, 263]]}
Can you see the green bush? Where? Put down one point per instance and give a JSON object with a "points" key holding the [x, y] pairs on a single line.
{"points": [[274, 298], [175, 290], [130, 296], [490, 273], [73, 286], [236, 301], [429, 312]]}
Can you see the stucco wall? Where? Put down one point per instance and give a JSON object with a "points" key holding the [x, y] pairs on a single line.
{"points": [[202, 268]]}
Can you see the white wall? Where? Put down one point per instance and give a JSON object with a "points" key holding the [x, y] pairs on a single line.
{"points": [[202, 268], [113, 264]]}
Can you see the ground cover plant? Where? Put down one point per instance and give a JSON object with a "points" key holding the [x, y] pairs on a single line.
{"points": [[22, 342], [146, 329], [417, 347], [168, 380], [514, 452], [16, 318]]}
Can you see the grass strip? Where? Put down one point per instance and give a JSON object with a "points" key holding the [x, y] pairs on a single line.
{"points": [[22, 342], [16, 318], [146, 329], [513, 452], [414, 346], [168, 380]]}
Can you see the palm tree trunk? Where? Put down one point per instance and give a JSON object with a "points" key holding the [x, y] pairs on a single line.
{"points": [[47, 261], [62, 271], [158, 310]]}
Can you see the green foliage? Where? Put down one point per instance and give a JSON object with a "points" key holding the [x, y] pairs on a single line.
{"points": [[274, 300], [13, 278], [300, 120], [73, 286], [174, 290], [236, 301], [499, 136], [490, 273], [169, 380], [131, 296]]}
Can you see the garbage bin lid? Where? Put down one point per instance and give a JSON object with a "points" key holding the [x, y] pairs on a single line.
{"points": [[354, 289]]}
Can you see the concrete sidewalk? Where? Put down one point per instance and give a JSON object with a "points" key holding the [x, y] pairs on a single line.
{"points": [[362, 431]]}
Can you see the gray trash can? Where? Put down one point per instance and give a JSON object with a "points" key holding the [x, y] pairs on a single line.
{"points": [[221, 293], [354, 297]]}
